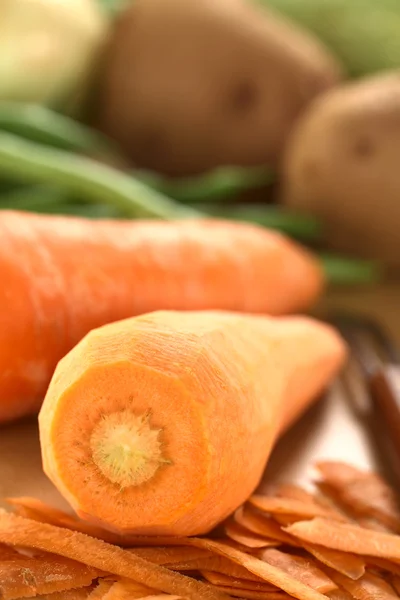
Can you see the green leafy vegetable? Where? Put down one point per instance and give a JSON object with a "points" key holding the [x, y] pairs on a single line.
{"points": [[85, 178], [224, 183]]}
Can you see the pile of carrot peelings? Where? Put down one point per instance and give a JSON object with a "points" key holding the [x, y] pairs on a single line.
{"points": [[340, 541]]}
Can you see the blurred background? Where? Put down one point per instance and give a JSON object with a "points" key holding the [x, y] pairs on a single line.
{"points": [[285, 113]]}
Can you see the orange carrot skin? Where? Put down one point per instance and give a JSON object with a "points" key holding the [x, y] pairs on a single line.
{"points": [[220, 388], [64, 276]]}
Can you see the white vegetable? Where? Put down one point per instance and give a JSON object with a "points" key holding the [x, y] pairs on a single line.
{"points": [[48, 48]]}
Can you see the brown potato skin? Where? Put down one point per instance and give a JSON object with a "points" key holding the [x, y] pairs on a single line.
{"points": [[343, 164], [190, 85]]}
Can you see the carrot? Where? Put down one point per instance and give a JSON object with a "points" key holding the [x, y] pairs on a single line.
{"points": [[162, 424], [65, 276]]}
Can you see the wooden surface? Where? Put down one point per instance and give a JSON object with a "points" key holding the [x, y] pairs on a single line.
{"points": [[20, 465], [382, 303], [330, 430]]}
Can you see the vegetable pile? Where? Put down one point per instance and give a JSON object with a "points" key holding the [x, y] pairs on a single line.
{"points": [[340, 542], [140, 266], [225, 91], [47, 166], [73, 275], [141, 126], [49, 50]]}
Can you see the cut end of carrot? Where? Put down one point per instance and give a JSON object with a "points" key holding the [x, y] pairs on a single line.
{"points": [[127, 449]]}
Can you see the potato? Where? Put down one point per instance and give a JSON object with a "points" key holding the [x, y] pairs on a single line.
{"points": [[190, 85], [342, 164]]}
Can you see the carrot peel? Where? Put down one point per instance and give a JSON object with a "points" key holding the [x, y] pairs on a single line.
{"points": [[17, 531], [347, 538]]}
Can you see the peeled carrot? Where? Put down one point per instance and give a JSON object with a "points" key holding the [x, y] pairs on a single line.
{"points": [[163, 423], [64, 276]]}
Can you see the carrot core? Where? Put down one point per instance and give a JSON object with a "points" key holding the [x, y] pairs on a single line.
{"points": [[126, 449]]}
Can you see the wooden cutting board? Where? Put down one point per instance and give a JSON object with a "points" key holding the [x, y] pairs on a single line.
{"points": [[382, 303], [329, 431]]}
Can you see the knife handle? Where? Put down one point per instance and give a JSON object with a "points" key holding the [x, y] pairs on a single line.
{"points": [[384, 385]]}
